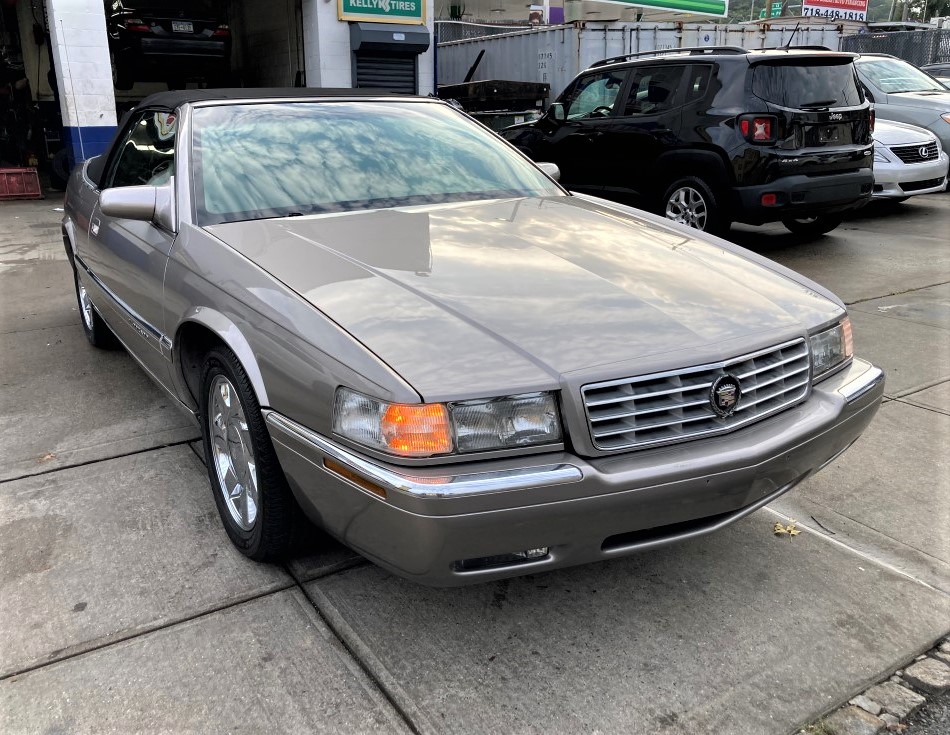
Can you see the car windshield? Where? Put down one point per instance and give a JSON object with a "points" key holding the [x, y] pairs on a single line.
{"points": [[806, 85], [893, 75], [253, 161]]}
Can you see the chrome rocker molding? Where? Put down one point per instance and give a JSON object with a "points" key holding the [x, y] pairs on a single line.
{"points": [[149, 333], [449, 486]]}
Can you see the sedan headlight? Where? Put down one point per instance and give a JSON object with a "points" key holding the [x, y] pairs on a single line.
{"points": [[430, 429], [879, 154], [831, 348]]}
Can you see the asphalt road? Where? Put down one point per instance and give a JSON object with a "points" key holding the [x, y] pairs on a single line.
{"points": [[124, 608]]}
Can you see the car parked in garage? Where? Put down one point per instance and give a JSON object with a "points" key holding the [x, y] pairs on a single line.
{"points": [[435, 352], [903, 93], [709, 136], [168, 41], [908, 160]]}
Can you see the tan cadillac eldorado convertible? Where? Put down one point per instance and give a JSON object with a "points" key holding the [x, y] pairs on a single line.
{"points": [[387, 319]]}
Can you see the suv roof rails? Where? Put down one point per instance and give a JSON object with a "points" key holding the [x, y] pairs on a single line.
{"points": [[689, 50], [794, 48]]}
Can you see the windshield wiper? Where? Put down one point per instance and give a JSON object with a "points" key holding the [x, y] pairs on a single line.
{"points": [[818, 104]]}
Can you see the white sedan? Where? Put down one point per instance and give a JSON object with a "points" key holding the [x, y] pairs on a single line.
{"points": [[908, 160]]}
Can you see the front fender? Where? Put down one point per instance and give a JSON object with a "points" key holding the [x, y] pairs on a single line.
{"points": [[231, 335]]}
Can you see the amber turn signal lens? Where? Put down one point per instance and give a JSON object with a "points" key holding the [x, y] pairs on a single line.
{"points": [[417, 430]]}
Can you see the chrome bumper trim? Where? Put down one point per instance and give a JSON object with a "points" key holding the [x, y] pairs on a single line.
{"points": [[867, 381], [443, 486]]}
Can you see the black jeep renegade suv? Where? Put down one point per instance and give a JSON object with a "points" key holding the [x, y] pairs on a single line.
{"points": [[715, 135]]}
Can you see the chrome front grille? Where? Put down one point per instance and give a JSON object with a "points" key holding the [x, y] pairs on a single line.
{"points": [[674, 406], [916, 153]]}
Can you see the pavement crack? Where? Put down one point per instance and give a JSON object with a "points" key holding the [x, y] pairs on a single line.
{"points": [[862, 554], [896, 293], [60, 468], [362, 655], [148, 629]]}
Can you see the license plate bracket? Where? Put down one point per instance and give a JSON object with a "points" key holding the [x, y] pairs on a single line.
{"points": [[183, 26], [829, 134]]}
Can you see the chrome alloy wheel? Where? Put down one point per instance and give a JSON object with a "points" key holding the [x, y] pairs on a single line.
{"points": [[85, 306], [232, 453], [687, 206]]}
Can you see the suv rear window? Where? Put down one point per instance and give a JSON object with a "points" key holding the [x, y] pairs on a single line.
{"points": [[806, 85]]}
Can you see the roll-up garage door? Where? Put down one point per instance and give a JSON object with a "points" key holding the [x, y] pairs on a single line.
{"points": [[396, 73]]}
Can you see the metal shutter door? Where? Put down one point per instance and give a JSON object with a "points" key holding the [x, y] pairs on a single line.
{"points": [[396, 73]]}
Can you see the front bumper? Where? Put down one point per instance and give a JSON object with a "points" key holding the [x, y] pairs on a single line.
{"points": [[432, 524], [900, 180], [804, 196]]}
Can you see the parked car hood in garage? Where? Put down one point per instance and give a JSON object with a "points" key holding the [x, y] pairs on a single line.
{"points": [[578, 289]]}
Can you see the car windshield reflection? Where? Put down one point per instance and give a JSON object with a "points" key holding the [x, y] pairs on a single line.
{"points": [[256, 161]]}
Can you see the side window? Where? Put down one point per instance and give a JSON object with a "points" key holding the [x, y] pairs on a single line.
{"points": [[147, 154], [696, 82], [594, 95], [653, 90]]}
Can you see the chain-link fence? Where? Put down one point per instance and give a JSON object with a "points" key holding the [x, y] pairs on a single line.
{"points": [[456, 30], [917, 47]]}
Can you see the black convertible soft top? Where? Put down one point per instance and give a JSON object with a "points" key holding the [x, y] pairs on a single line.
{"points": [[175, 98]]}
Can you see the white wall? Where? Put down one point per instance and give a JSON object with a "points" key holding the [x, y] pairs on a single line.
{"points": [[327, 48], [83, 74]]}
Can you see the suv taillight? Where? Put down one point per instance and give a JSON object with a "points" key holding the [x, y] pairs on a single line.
{"points": [[872, 119], [222, 31], [759, 128]]}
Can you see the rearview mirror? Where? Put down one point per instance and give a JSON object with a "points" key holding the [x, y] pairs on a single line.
{"points": [[556, 112], [146, 203], [551, 170]]}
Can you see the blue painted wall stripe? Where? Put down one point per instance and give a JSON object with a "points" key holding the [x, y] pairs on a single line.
{"points": [[86, 142]]}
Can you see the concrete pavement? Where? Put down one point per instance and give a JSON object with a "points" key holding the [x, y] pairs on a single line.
{"points": [[124, 608]]}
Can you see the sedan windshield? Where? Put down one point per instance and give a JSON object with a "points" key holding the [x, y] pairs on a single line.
{"points": [[253, 161], [893, 75]]}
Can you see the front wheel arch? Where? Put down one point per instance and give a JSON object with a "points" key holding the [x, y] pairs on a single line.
{"points": [[196, 336]]}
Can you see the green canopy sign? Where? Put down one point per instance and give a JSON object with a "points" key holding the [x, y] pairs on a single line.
{"points": [[702, 7], [383, 11]]}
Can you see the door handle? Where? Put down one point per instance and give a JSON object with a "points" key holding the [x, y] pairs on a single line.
{"points": [[94, 226]]}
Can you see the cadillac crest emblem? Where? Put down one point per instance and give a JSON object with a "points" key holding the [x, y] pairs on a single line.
{"points": [[725, 394]]}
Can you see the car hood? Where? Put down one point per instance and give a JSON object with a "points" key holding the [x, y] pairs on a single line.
{"points": [[938, 101], [464, 300], [887, 132]]}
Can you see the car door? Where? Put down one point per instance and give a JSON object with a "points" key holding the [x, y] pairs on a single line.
{"points": [[646, 124], [575, 143], [127, 257]]}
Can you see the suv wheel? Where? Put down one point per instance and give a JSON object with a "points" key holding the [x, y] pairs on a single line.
{"points": [[813, 226], [691, 202]]}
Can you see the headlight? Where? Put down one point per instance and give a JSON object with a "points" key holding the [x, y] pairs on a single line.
{"points": [[946, 117], [831, 348], [879, 154], [430, 429]]}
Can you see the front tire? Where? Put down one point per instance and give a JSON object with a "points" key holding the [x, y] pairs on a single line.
{"points": [[93, 325], [250, 490], [812, 226], [691, 202]]}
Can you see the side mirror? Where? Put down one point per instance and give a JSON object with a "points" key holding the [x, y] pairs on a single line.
{"points": [[146, 203], [556, 112], [551, 170]]}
